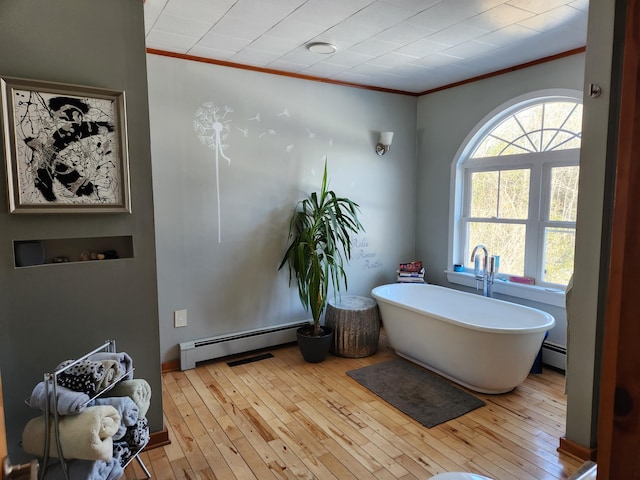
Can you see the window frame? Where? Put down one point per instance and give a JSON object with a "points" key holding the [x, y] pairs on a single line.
{"points": [[540, 165]]}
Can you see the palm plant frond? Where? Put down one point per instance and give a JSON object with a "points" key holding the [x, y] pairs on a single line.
{"points": [[320, 234]]}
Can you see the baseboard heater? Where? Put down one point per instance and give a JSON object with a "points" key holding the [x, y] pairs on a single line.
{"points": [[234, 343], [554, 355]]}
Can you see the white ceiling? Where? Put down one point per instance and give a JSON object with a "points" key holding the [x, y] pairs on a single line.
{"points": [[406, 45]]}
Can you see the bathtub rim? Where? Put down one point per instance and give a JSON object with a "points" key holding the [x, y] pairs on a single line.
{"points": [[551, 321]]}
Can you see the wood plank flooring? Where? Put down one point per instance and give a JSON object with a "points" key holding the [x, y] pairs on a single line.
{"points": [[282, 418]]}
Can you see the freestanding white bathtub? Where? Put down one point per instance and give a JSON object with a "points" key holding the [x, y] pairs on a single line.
{"points": [[484, 344]]}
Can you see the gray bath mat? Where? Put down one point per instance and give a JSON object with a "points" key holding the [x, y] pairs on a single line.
{"points": [[424, 396]]}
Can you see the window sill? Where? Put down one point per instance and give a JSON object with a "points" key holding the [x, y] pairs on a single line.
{"points": [[550, 296]]}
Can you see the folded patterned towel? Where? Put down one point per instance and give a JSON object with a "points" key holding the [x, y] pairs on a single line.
{"points": [[69, 401], [138, 390], [86, 436], [112, 374], [85, 376], [123, 358], [87, 470], [137, 436], [126, 407], [122, 452]]}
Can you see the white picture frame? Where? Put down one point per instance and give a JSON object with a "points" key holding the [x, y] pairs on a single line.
{"points": [[65, 148]]}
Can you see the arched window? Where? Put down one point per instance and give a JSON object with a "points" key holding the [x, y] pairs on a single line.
{"points": [[516, 187]]}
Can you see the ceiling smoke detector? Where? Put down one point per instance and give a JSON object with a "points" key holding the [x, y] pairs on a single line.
{"points": [[322, 47]]}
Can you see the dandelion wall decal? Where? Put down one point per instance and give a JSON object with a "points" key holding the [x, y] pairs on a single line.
{"points": [[212, 128], [268, 132]]}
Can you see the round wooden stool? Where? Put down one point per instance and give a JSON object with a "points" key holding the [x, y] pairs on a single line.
{"points": [[356, 326]]}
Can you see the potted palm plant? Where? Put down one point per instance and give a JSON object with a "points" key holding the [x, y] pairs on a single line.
{"points": [[320, 234]]}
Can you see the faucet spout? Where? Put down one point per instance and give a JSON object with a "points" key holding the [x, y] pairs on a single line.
{"points": [[486, 273], [485, 257]]}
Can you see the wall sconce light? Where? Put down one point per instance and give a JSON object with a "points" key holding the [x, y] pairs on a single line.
{"points": [[384, 143]]}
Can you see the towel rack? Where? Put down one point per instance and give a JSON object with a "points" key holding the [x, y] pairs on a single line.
{"points": [[50, 388]]}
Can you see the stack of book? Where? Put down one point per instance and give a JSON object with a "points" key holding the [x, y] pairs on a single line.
{"points": [[411, 272]]}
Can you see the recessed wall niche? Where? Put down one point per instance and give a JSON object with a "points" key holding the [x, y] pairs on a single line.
{"points": [[57, 251]]}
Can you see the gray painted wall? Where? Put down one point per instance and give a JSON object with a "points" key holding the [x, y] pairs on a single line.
{"points": [[444, 121], [586, 308], [278, 131], [55, 312], [210, 278]]}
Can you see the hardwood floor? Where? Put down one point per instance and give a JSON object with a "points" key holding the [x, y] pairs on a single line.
{"points": [[282, 418]]}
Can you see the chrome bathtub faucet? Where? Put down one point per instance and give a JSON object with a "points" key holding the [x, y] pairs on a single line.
{"points": [[487, 272]]}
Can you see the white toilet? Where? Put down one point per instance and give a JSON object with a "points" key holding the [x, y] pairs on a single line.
{"points": [[459, 476]]}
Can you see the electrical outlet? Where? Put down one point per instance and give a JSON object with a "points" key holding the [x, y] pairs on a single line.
{"points": [[180, 318]]}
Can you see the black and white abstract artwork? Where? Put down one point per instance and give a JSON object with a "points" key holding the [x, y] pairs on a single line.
{"points": [[65, 148]]}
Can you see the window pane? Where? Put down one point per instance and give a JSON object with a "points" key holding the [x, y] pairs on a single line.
{"points": [[515, 149], [564, 141], [506, 240], [484, 194], [514, 194], [490, 147], [562, 122], [559, 248], [500, 194], [564, 194], [508, 129], [563, 115], [537, 128], [531, 119]]}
